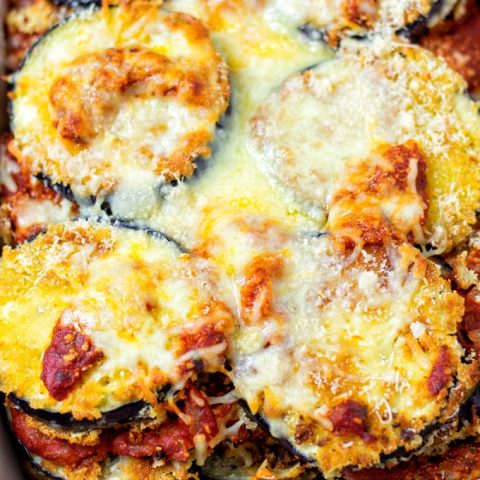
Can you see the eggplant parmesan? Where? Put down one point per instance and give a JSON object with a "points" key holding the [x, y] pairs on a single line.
{"points": [[348, 354], [164, 449], [394, 122], [287, 323], [129, 97], [118, 317], [462, 462]]}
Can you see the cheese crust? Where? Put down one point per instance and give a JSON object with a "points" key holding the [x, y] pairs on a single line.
{"points": [[129, 98], [347, 354], [135, 298], [313, 134], [301, 281]]}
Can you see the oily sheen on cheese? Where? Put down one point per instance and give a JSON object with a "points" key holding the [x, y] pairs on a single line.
{"points": [[313, 134], [132, 295], [128, 99]]}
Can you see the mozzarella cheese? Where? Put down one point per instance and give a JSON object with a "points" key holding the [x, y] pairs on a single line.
{"points": [[314, 133], [134, 296], [317, 326], [129, 97], [335, 327]]}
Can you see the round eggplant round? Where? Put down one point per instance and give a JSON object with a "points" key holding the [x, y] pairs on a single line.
{"points": [[331, 20], [373, 129], [129, 98], [349, 353], [97, 319]]}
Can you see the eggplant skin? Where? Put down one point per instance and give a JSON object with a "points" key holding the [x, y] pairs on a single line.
{"points": [[63, 190], [119, 416], [419, 27], [76, 3], [113, 418], [262, 422], [133, 225]]}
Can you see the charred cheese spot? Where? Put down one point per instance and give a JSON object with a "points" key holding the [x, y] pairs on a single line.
{"points": [[336, 18], [378, 106], [349, 359], [129, 98], [392, 185], [132, 297]]}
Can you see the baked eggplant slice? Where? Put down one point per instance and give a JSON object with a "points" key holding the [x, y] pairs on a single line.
{"points": [[113, 418], [95, 317], [129, 104], [331, 19], [349, 353], [371, 130]]}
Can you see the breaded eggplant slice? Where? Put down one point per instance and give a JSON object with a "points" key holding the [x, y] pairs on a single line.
{"points": [[378, 110], [129, 97], [95, 317], [332, 19], [348, 354]]}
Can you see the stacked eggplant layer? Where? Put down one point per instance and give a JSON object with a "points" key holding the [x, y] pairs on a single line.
{"points": [[304, 304], [119, 113], [126, 352]]}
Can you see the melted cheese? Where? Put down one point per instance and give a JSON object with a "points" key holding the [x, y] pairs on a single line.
{"points": [[231, 214], [231, 184], [133, 296], [128, 99], [339, 330], [320, 125]]}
